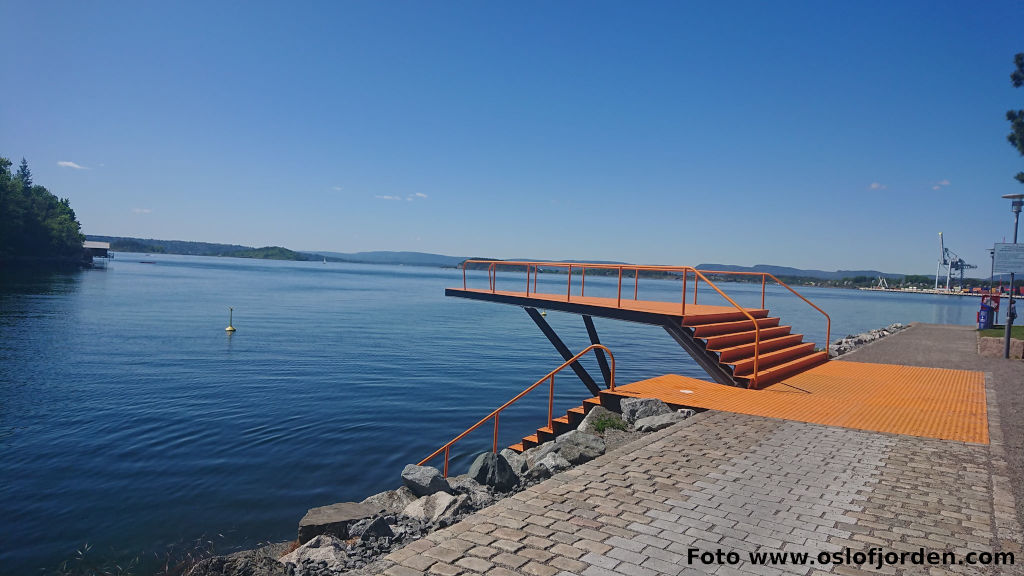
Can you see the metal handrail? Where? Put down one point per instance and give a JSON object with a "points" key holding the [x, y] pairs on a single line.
{"points": [[763, 275], [550, 377], [683, 271]]}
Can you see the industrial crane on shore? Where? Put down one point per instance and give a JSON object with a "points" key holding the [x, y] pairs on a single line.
{"points": [[952, 263]]}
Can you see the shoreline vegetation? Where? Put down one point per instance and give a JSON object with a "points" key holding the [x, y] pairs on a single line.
{"points": [[37, 229], [792, 276]]}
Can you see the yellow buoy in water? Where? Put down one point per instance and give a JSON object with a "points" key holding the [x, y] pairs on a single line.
{"points": [[231, 314], [543, 312]]}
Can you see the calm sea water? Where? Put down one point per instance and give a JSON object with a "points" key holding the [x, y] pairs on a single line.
{"points": [[130, 421]]}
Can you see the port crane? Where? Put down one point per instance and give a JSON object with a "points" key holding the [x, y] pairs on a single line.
{"points": [[952, 263]]}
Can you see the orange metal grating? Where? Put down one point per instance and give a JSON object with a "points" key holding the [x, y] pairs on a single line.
{"points": [[928, 402]]}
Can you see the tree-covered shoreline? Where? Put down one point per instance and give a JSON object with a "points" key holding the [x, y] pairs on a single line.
{"points": [[36, 227]]}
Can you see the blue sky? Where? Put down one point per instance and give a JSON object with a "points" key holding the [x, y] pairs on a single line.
{"points": [[811, 134]]}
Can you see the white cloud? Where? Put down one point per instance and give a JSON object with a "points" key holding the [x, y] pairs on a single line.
{"points": [[944, 183], [67, 164], [142, 211], [877, 186], [936, 187], [940, 184], [420, 195], [337, 188], [386, 197]]}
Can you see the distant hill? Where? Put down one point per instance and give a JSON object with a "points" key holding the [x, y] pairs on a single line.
{"points": [[402, 258], [153, 246], [123, 244], [798, 272]]}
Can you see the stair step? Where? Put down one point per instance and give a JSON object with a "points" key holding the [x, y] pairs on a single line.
{"points": [[590, 403], [777, 373], [731, 353], [530, 441], [705, 330], [561, 420], [737, 338], [517, 448], [726, 316], [767, 360]]}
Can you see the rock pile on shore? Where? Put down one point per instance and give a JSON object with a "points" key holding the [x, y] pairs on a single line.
{"points": [[851, 343], [348, 536]]}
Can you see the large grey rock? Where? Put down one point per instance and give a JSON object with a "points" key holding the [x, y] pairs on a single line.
{"points": [[659, 422], [634, 409], [392, 501], [259, 562], [516, 460], [424, 480], [492, 469], [554, 463], [479, 495], [537, 453], [371, 528], [333, 520], [321, 549], [437, 508], [579, 447], [596, 413]]}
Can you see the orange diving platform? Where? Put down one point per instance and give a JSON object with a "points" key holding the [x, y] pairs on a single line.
{"points": [[758, 365], [735, 345]]}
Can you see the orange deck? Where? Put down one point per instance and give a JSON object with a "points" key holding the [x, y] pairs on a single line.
{"points": [[928, 402]]}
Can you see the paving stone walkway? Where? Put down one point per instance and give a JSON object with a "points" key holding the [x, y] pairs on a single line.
{"points": [[744, 485]]}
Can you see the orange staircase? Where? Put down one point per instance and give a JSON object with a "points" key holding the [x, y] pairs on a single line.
{"points": [[733, 344], [561, 425]]}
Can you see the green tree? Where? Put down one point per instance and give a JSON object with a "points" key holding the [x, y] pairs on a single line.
{"points": [[1016, 117], [35, 225], [24, 175]]}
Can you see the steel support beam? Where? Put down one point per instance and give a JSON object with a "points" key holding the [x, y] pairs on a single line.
{"points": [[602, 361], [696, 350], [580, 371]]}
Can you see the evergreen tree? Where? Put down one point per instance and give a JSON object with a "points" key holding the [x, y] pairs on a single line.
{"points": [[35, 225], [24, 176]]}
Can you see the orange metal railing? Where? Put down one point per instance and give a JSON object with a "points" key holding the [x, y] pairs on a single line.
{"points": [[550, 378], [683, 271]]}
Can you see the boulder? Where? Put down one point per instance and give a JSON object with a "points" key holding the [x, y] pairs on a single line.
{"points": [[536, 473], [634, 409], [424, 480], [516, 460], [537, 453], [492, 469], [479, 495], [392, 501], [378, 527], [553, 463], [579, 447], [321, 549], [596, 413], [333, 520], [437, 508], [259, 562], [659, 422]]}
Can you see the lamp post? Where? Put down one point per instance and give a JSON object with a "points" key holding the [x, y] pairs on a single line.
{"points": [[1016, 201]]}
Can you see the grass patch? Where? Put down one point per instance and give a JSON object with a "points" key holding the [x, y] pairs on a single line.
{"points": [[1017, 331], [606, 422]]}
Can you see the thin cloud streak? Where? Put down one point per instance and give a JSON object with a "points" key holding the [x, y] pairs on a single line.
{"points": [[68, 164]]}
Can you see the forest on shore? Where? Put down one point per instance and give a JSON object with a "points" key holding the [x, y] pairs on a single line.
{"points": [[36, 227]]}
